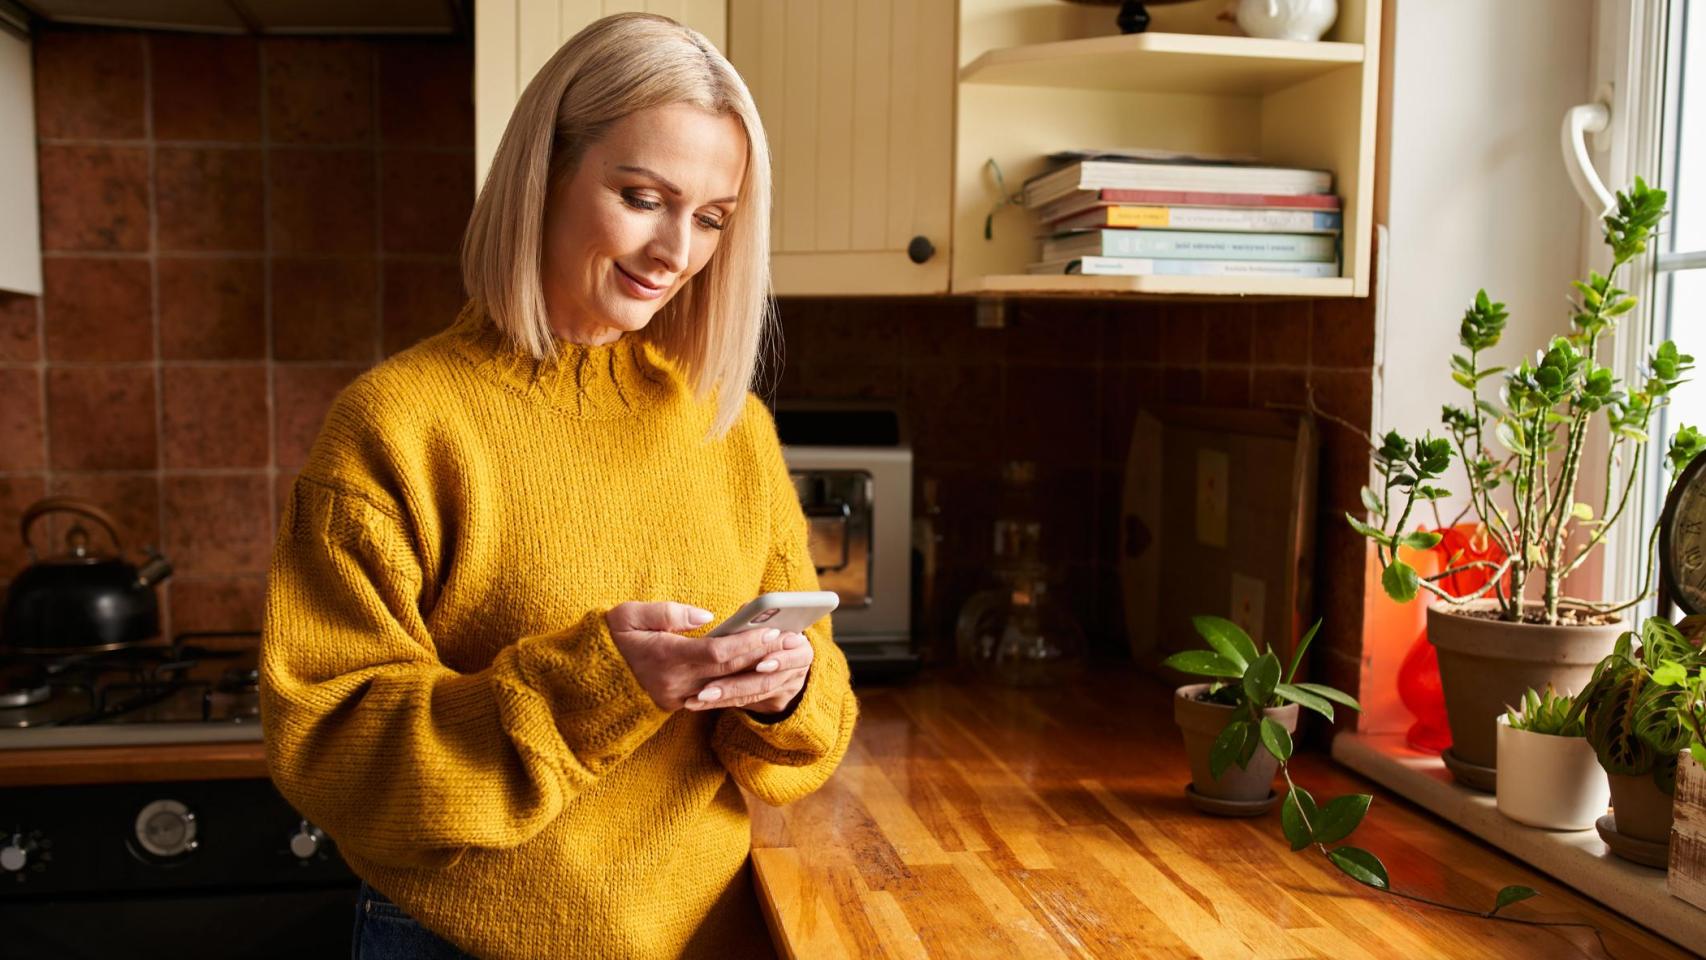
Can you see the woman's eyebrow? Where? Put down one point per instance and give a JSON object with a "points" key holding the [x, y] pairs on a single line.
{"points": [[672, 188]]}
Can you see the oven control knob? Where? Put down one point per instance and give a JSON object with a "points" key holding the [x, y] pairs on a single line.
{"points": [[305, 842], [166, 828], [15, 855]]}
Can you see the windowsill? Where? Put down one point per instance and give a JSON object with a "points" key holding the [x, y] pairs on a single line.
{"points": [[1578, 858]]}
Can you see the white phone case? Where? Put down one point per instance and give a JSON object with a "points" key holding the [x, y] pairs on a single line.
{"points": [[789, 611]]}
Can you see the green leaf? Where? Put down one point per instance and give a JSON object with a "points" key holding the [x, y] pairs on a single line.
{"points": [[1373, 533], [1420, 540], [1363, 867], [1299, 806], [1581, 511], [1205, 663], [1331, 694], [1227, 638], [1699, 750], [1341, 816], [1227, 747], [1276, 739], [1670, 674], [1513, 894], [1400, 581], [1372, 502], [1302, 646], [1305, 699], [1261, 678]]}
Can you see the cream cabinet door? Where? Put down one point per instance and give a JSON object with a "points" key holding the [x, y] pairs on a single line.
{"points": [[514, 38], [857, 98]]}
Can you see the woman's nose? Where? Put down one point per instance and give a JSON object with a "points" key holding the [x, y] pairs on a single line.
{"points": [[671, 243]]}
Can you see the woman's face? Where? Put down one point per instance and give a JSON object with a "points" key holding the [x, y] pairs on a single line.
{"points": [[640, 216]]}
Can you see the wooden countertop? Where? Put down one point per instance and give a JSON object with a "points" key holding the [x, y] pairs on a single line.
{"points": [[973, 821], [153, 763]]}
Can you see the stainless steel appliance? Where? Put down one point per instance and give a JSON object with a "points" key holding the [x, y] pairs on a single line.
{"points": [[852, 470]]}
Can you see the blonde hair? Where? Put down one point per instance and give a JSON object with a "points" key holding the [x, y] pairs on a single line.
{"points": [[715, 324]]}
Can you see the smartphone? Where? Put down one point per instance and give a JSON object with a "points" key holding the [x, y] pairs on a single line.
{"points": [[788, 611]]}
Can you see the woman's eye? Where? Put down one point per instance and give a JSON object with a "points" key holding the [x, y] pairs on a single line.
{"points": [[711, 223], [640, 203]]}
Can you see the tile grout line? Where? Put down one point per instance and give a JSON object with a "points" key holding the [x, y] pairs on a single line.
{"points": [[267, 311], [154, 315]]}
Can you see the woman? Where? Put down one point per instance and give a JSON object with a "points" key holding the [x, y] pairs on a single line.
{"points": [[475, 672]]}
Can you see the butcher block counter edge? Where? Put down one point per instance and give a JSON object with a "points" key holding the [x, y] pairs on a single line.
{"points": [[132, 764]]}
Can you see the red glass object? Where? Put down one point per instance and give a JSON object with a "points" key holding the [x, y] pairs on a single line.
{"points": [[1418, 676]]}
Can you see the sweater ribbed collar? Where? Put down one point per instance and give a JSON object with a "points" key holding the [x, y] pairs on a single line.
{"points": [[590, 382]]}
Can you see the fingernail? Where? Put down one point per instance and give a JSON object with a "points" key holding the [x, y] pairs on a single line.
{"points": [[766, 666], [710, 693], [793, 640], [698, 617], [770, 635]]}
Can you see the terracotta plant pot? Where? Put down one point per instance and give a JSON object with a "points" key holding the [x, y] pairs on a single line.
{"points": [[1201, 723], [1487, 665], [1549, 781], [1641, 809]]}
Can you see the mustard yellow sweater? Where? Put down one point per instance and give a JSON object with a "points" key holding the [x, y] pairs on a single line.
{"points": [[440, 692]]}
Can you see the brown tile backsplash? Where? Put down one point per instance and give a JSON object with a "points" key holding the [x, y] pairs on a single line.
{"points": [[102, 417], [93, 198], [212, 308], [21, 430], [98, 309], [319, 91], [206, 88], [216, 272], [325, 309], [321, 202], [286, 212], [218, 524], [89, 85], [20, 328], [209, 198], [214, 417]]}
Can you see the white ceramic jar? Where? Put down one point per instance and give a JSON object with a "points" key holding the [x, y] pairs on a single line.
{"points": [[1551, 782], [1287, 19]]}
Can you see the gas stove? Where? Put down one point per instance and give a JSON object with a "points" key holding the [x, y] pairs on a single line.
{"points": [[199, 688]]}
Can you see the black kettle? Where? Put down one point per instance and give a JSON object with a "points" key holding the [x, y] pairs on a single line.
{"points": [[79, 601]]}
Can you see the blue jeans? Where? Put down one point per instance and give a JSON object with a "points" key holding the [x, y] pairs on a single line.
{"points": [[384, 932]]}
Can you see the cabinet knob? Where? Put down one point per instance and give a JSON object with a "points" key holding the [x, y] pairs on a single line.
{"points": [[920, 249]]}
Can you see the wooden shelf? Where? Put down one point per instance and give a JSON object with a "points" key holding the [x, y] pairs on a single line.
{"points": [[1576, 857], [1043, 285], [1163, 63]]}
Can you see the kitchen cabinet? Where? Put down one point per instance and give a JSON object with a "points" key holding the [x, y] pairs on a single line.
{"points": [[857, 102], [1036, 78], [514, 38]]}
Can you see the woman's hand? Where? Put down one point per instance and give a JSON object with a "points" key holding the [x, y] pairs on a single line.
{"points": [[768, 688], [673, 668]]}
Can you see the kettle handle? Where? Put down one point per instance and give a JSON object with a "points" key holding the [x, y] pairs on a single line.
{"points": [[48, 505]]}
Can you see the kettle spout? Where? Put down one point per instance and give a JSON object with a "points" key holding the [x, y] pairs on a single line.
{"points": [[157, 569]]}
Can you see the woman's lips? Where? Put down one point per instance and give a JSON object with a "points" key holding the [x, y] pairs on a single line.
{"points": [[636, 287]]}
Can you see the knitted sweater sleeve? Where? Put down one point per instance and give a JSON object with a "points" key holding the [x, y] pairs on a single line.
{"points": [[782, 761], [401, 759]]}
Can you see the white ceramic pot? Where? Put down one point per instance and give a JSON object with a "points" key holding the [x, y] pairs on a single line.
{"points": [[1287, 19], [1551, 782]]}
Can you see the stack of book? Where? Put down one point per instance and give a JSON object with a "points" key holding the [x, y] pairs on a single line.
{"points": [[1138, 215]]}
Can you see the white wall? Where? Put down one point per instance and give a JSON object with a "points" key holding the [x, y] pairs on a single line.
{"points": [[1473, 193], [20, 242]]}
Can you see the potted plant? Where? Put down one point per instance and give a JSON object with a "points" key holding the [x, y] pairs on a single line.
{"points": [[1529, 441], [1247, 704], [1251, 681], [1548, 774], [1639, 716]]}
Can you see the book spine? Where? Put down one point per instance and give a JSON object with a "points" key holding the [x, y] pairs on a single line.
{"points": [[1187, 245], [1082, 200], [1143, 266], [1221, 218]]}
